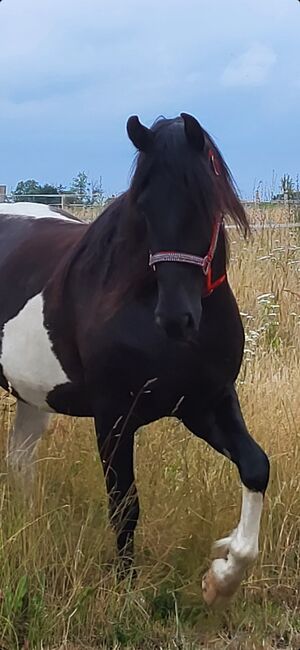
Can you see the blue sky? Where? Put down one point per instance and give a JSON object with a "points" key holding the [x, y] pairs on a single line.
{"points": [[72, 71]]}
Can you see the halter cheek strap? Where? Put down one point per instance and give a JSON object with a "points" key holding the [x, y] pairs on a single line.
{"points": [[204, 262]]}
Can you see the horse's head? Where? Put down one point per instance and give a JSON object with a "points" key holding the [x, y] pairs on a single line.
{"points": [[180, 187]]}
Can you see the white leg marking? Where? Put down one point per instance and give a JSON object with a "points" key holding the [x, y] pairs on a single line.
{"points": [[28, 427], [235, 552], [27, 357]]}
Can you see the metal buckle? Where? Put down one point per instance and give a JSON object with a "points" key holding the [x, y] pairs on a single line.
{"points": [[206, 264]]}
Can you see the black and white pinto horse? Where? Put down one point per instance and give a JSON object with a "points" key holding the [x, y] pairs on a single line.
{"points": [[131, 318]]}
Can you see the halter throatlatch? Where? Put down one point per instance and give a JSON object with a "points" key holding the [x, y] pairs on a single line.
{"points": [[204, 262]]}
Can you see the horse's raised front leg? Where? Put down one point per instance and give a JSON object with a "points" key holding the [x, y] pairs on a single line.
{"points": [[116, 446], [225, 430]]}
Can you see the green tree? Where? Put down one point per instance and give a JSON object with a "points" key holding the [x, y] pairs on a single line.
{"points": [[81, 189], [287, 185], [31, 190], [24, 188], [97, 192]]}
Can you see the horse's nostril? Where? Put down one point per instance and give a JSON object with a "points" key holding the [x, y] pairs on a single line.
{"points": [[175, 327], [188, 321]]}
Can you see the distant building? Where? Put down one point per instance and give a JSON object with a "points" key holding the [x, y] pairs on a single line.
{"points": [[287, 197], [2, 193]]}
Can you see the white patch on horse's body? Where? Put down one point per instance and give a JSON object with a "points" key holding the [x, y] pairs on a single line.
{"points": [[235, 552], [27, 357], [33, 210]]}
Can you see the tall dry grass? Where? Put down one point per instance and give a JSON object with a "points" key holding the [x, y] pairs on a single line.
{"points": [[261, 213], [57, 577]]}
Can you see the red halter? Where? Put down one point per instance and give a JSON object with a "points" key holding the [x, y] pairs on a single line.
{"points": [[206, 261]]}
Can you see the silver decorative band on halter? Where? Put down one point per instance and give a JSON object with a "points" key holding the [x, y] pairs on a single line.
{"points": [[176, 256], [172, 256]]}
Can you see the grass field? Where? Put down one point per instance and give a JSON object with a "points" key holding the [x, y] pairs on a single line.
{"points": [[260, 212], [57, 578]]}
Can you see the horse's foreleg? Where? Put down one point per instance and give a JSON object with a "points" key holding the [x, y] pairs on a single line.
{"points": [[225, 430], [116, 448]]}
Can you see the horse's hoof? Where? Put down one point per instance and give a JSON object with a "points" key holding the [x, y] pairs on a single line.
{"points": [[215, 592], [209, 588]]}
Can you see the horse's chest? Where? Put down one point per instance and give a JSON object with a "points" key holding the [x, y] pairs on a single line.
{"points": [[28, 361]]}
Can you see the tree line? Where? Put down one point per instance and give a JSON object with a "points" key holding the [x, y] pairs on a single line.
{"points": [[81, 191]]}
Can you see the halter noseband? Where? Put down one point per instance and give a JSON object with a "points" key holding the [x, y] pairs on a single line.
{"points": [[186, 258]]}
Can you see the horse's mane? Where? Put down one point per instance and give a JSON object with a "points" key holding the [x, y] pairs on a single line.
{"points": [[114, 247]]}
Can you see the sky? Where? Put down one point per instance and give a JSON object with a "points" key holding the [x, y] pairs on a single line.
{"points": [[72, 71]]}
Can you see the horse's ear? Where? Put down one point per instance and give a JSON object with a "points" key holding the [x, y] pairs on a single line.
{"points": [[194, 132], [140, 135]]}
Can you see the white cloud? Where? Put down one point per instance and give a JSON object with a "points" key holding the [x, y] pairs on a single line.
{"points": [[250, 68]]}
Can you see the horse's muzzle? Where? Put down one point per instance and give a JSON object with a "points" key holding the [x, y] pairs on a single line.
{"points": [[179, 328]]}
